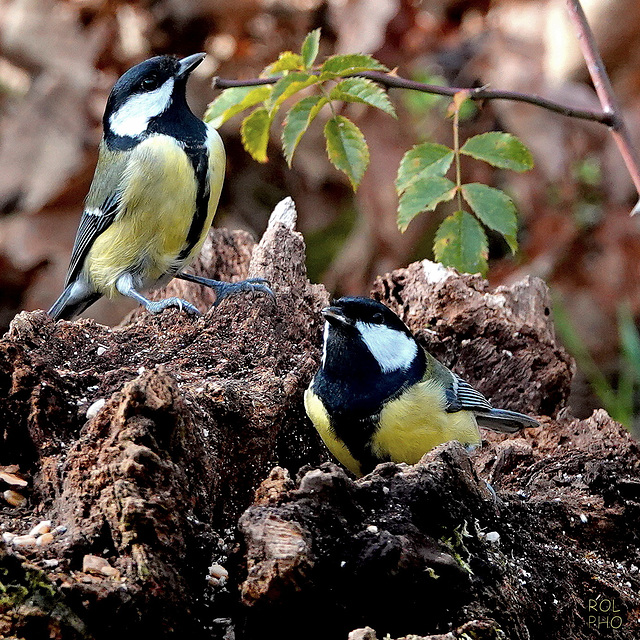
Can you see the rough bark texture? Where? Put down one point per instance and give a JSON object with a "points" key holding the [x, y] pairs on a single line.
{"points": [[201, 453]]}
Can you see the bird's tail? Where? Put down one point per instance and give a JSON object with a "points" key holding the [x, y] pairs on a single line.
{"points": [[505, 421], [72, 302]]}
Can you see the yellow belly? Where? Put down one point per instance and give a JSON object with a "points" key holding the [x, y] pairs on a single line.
{"points": [[320, 418], [416, 422], [410, 425], [158, 204]]}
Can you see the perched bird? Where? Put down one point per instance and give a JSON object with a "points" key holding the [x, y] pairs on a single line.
{"points": [[153, 197], [379, 396]]}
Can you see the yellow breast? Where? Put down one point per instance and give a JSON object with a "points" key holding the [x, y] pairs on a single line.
{"points": [[320, 418], [409, 426], [416, 422], [157, 207]]}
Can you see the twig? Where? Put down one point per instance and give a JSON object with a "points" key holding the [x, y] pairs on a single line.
{"points": [[605, 93], [481, 93]]}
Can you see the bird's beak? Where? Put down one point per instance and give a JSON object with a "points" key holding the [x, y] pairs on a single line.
{"points": [[188, 64], [336, 317]]}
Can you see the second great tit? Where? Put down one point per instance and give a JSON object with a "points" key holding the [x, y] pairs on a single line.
{"points": [[153, 197], [379, 396]]}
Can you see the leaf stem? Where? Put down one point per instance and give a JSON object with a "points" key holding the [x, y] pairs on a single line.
{"points": [[456, 150]]}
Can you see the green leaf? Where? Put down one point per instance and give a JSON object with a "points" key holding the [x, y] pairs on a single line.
{"points": [[298, 119], [255, 133], [495, 208], [461, 242], [344, 65], [290, 84], [424, 195], [310, 47], [233, 101], [347, 148], [364, 91], [287, 61], [423, 161], [500, 150]]}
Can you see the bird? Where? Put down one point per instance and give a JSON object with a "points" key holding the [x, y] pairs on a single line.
{"points": [[379, 396], [153, 196]]}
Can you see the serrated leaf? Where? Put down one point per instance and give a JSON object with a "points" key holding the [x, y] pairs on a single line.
{"points": [[364, 91], [461, 242], [287, 61], [310, 47], [424, 195], [298, 119], [347, 149], [255, 133], [426, 160], [290, 84], [500, 150], [344, 65], [232, 101], [495, 208]]}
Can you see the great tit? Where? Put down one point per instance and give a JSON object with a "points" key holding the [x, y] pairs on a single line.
{"points": [[153, 197], [379, 396]]}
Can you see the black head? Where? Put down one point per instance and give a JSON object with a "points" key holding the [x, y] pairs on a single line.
{"points": [[149, 94], [361, 333]]}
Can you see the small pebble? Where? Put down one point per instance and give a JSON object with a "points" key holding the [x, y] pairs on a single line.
{"points": [[50, 563], [24, 541], [44, 539], [97, 565], [12, 479], [217, 575], [493, 537], [8, 537], [372, 528], [39, 529], [14, 498], [92, 411], [59, 530], [100, 350]]}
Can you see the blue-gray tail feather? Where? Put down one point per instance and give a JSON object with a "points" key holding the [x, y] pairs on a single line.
{"points": [[505, 421]]}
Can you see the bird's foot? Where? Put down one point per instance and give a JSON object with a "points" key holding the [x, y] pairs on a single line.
{"points": [[251, 285], [160, 305], [225, 289]]}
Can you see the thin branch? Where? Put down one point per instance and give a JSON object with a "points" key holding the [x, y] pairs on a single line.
{"points": [[481, 93], [605, 92]]}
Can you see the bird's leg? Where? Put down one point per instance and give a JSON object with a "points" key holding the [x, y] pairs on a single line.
{"points": [[124, 284], [224, 289]]}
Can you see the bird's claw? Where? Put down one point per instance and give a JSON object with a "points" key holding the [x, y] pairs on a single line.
{"points": [[160, 305]]}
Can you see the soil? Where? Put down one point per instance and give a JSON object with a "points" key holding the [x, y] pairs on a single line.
{"points": [[180, 490]]}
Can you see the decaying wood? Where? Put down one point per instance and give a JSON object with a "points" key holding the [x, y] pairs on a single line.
{"points": [[174, 486]]}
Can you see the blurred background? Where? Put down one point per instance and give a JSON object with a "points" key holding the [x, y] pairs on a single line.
{"points": [[60, 58]]}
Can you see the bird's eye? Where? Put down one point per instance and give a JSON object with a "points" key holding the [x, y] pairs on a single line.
{"points": [[377, 318], [150, 82]]}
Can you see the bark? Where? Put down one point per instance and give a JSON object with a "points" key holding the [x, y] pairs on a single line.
{"points": [[180, 490]]}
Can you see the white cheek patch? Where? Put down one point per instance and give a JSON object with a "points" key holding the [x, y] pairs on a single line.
{"points": [[392, 349], [132, 118], [324, 343]]}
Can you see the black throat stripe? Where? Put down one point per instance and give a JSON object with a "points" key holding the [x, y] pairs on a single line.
{"points": [[199, 159]]}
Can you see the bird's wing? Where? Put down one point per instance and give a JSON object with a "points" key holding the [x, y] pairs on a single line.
{"points": [[102, 206], [461, 396]]}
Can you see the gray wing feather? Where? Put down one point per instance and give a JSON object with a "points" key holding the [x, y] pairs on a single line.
{"points": [[102, 207], [92, 224], [461, 396]]}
